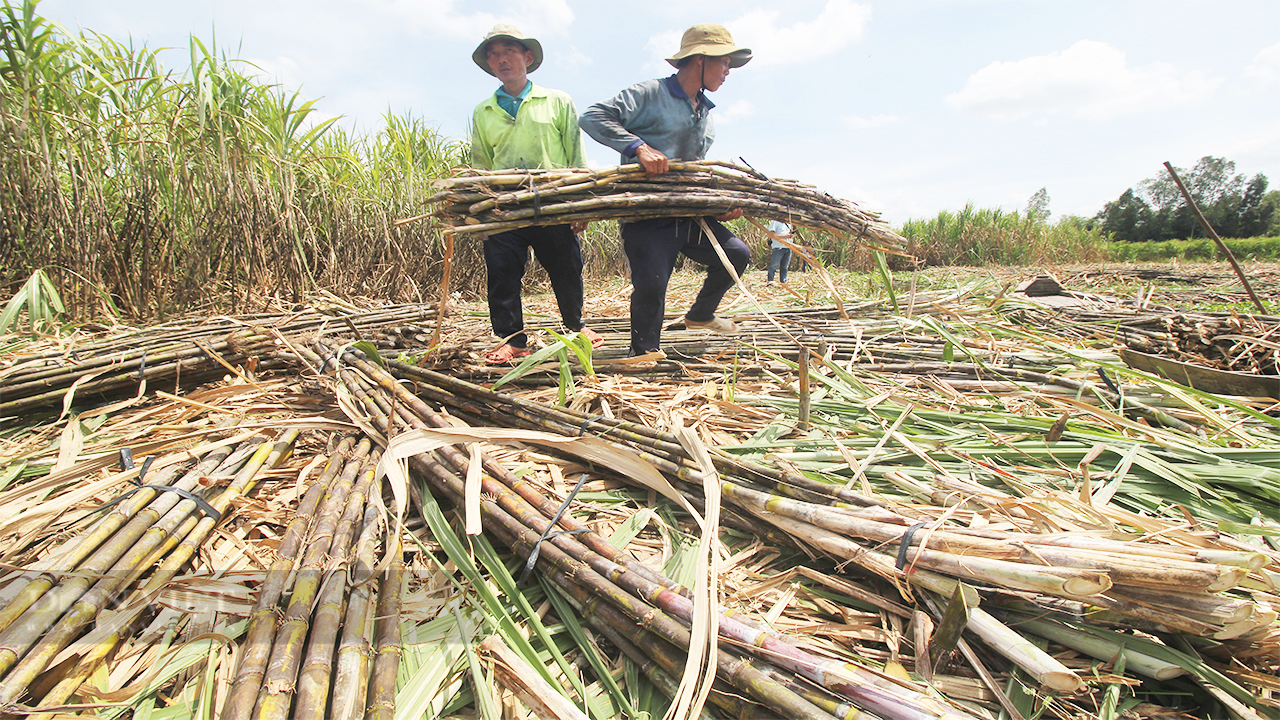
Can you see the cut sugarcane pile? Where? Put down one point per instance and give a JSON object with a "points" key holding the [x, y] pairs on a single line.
{"points": [[190, 353], [1176, 580], [950, 465], [495, 201]]}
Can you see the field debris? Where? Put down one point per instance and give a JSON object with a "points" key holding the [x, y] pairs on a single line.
{"points": [[971, 508]]}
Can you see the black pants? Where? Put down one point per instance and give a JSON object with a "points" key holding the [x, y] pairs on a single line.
{"points": [[652, 247], [505, 256]]}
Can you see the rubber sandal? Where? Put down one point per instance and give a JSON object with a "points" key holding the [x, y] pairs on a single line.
{"points": [[504, 354], [596, 338]]}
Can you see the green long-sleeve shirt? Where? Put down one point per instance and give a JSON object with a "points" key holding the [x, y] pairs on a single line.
{"points": [[543, 134]]}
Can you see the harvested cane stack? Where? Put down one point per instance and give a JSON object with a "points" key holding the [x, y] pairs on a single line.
{"points": [[150, 534], [489, 202], [644, 613], [310, 637], [1067, 588], [185, 353]]}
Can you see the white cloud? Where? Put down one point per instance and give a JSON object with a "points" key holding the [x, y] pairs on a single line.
{"points": [[1089, 80], [572, 58], [726, 114], [838, 24], [444, 18], [1266, 65], [875, 121], [280, 70]]}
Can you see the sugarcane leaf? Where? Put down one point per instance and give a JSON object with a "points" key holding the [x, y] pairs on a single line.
{"points": [[569, 617], [581, 348], [434, 675], [510, 590], [484, 688], [530, 362], [1111, 698], [178, 660], [49, 293], [627, 531], [620, 460], [370, 352], [11, 472], [14, 306], [492, 606], [886, 279]]}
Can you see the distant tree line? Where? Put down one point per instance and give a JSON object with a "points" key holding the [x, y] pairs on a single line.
{"points": [[1156, 210]]}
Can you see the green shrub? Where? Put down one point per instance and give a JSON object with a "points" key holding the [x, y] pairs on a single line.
{"points": [[976, 237], [1261, 248]]}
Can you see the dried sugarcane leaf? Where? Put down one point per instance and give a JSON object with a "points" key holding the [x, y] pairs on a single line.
{"points": [[622, 461]]}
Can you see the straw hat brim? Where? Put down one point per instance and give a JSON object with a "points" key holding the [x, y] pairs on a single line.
{"points": [[737, 56], [531, 44]]}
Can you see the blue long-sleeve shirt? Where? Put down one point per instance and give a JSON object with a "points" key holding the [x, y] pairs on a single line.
{"points": [[656, 112]]}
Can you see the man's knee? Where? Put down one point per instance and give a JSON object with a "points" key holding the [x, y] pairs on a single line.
{"points": [[738, 253]]}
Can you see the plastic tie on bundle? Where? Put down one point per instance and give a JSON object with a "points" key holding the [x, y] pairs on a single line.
{"points": [[551, 532], [126, 463], [901, 562]]}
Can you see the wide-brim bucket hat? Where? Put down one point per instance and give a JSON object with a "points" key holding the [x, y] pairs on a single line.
{"points": [[507, 32], [712, 40]]}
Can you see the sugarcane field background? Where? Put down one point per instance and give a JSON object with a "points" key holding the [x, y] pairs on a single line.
{"points": [[253, 464]]}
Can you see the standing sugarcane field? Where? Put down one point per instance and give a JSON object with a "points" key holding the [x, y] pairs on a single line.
{"points": [[303, 418]]}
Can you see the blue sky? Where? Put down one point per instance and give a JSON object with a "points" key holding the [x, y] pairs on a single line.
{"points": [[906, 107]]}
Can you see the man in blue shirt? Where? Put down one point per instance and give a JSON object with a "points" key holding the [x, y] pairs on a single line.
{"points": [[650, 123], [780, 255]]}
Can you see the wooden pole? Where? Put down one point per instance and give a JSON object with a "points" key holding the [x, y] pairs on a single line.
{"points": [[1221, 245], [444, 289]]}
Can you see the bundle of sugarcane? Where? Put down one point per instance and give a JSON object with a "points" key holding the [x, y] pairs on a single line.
{"points": [[1208, 591], [188, 353], [497, 201], [647, 614], [312, 632], [150, 534]]}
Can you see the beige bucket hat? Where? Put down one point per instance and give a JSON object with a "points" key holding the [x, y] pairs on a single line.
{"points": [[710, 39], [507, 32]]}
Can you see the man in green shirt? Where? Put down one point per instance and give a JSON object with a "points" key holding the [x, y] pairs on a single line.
{"points": [[524, 126]]}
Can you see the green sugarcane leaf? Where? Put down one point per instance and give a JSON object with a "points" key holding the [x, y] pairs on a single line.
{"points": [[370, 351], [530, 362], [581, 348], [484, 689], [886, 279], [493, 607], [507, 583], [570, 618], [14, 306]]}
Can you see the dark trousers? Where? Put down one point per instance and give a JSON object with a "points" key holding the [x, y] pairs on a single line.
{"points": [[652, 247], [505, 257], [779, 259]]}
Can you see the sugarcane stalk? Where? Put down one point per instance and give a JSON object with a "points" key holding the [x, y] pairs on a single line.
{"points": [[663, 444], [351, 674], [88, 606], [386, 664], [37, 607], [658, 592], [1039, 664], [82, 546], [256, 650], [1100, 648], [864, 689], [317, 663], [279, 683], [456, 490]]}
